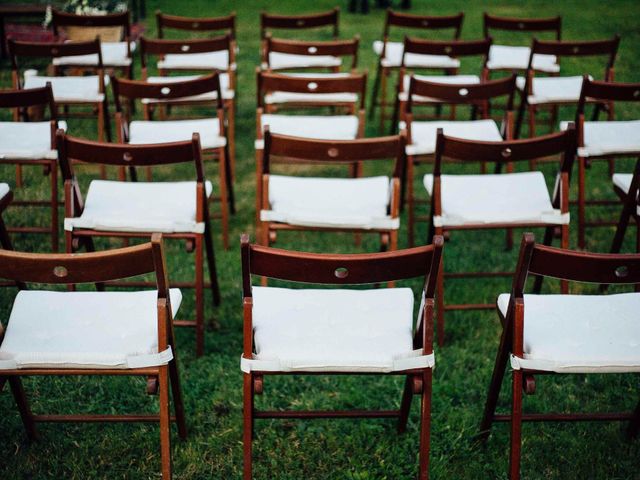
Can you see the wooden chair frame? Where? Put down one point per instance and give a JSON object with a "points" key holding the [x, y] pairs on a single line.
{"points": [[406, 21], [5, 239], [133, 90], [60, 20], [226, 24], [131, 156], [68, 49], [362, 269], [21, 101], [567, 265], [607, 48], [335, 48], [272, 21], [160, 48], [96, 268], [607, 93], [501, 153], [479, 96], [292, 150], [630, 206]]}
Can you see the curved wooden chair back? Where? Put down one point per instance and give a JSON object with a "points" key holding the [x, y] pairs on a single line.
{"points": [[271, 21], [225, 24]]}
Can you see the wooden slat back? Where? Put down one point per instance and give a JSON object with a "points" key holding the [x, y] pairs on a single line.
{"points": [[270, 21], [53, 49], [64, 19], [336, 48], [611, 91], [196, 24], [453, 48], [28, 98], [577, 49], [515, 24], [424, 22]]}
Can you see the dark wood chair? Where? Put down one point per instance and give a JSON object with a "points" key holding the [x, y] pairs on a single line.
{"points": [[500, 200], [456, 49], [85, 91], [212, 130], [563, 334], [196, 25], [64, 333], [627, 186], [390, 53], [292, 54], [32, 143], [125, 210], [359, 204], [514, 58], [554, 91], [116, 54], [421, 135], [6, 197], [366, 337]]}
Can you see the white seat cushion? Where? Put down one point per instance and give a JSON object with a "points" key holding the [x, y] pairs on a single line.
{"points": [[446, 79], [142, 131], [333, 330], [553, 89], [292, 97], [280, 61], [27, 140], [507, 57], [114, 54], [195, 61], [68, 89], [622, 181], [227, 93], [513, 198], [393, 57], [423, 134], [579, 333], [608, 138], [4, 190], [84, 330], [329, 127], [330, 202], [167, 207]]}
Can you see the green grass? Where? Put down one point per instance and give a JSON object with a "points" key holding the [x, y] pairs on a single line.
{"points": [[356, 450]]}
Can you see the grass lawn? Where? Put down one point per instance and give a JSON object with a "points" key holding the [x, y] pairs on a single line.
{"points": [[335, 449]]}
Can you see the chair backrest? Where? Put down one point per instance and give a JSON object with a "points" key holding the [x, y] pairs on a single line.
{"points": [[528, 25], [22, 99], [272, 82], [423, 22], [64, 19], [52, 50], [225, 24], [606, 91], [333, 152], [270, 21], [451, 48], [335, 48], [182, 47]]}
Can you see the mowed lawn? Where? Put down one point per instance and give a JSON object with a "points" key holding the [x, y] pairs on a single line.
{"points": [[336, 449]]}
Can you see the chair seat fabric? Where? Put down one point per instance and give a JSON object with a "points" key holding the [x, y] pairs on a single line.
{"points": [[623, 182], [360, 203], [227, 92], [281, 61], [323, 127], [609, 138], [553, 89], [4, 190], [27, 140], [508, 198], [393, 57], [166, 207], [114, 54], [84, 330], [447, 79], [334, 330], [195, 61], [143, 131], [73, 89], [508, 57], [423, 134], [294, 97], [579, 333]]}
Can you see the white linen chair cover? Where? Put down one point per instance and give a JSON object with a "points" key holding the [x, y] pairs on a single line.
{"points": [[281, 61], [4, 190], [552, 89], [163, 131], [322, 127], [610, 137], [423, 134], [293, 97], [27, 140], [196, 61], [509, 57], [68, 89], [393, 57], [114, 54]]}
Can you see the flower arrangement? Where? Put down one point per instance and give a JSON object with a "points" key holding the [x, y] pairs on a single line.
{"points": [[88, 7]]}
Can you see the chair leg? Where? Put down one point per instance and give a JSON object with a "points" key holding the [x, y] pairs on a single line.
{"points": [[405, 404], [165, 423], [375, 91], [224, 206], [634, 424], [247, 430], [231, 133], [19, 176], [621, 228], [520, 117], [547, 240], [383, 97], [533, 163], [411, 201], [259, 160], [5, 239], [54, 207], [199, 290], [393, 240], [425, 426], [581, 203], [440, 302], [229, 179], [211, 263], [23, 407], [516, 426], [176, 392], [395, 116]]}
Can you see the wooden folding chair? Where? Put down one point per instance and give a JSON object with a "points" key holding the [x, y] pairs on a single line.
{"points": [[604, 141], [87, 91], [196, 25], [358, 204], [116, 52], [6, 197], [421, 135], [390, 53], [547, 334], [513, 58], [555, 91], [212, 130], [627, 186], [500, 200], [93, 333], [32, 143], [456, 49], [291, 54], [137, 209], [204, 56], [374, 339]]}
